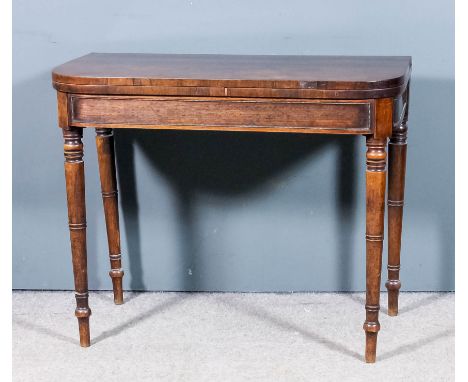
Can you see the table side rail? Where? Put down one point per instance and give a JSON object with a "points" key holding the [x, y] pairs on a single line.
{"points": [[222, 113]]}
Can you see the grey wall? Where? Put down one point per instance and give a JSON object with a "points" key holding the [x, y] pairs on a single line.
{"points": [[222, 211]]}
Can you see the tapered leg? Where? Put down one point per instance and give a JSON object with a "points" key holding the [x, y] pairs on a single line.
{"points": [[105, 151], [396, 191], [75, 184], [375, 210]]}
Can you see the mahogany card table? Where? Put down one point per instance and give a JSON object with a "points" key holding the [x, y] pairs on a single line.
{"points": [[270, 94]]}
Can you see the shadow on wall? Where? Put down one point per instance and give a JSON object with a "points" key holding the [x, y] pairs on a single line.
{"points": [[224, 163], [233, 164]]}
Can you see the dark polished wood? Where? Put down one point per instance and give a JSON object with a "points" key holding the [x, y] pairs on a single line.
{"points": [[396, 193], [376, 159], [106, 159], [235, 76], [75, 184], [234, 114], [271, 94]]}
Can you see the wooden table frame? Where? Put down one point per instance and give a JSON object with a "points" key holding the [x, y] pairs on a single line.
{"points": [[301, 94]]}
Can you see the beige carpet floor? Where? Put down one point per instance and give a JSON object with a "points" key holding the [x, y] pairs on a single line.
{"points": [[231, 337]]}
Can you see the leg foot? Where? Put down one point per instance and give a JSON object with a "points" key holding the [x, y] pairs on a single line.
{"points": [[371, 347], [393, 287], [82, 312], [117, 275], [83, 324]]}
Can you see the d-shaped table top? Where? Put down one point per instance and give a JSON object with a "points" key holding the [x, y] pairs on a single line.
{"points": [[342, 77]]}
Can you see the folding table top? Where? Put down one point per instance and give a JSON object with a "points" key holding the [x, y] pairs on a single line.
{"points": [[235, 75]]}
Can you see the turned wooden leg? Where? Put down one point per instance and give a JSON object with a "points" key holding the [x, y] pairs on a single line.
{"points": [[375, 210], [105, 151], [75, 184], [396, 191]]}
